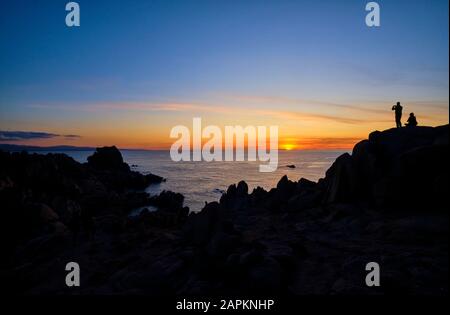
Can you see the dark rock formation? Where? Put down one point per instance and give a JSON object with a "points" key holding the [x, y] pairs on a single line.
{"points": [[397, 167], [53, 195], [107, 158], [170, 213], [107, 164], [385, 203]]}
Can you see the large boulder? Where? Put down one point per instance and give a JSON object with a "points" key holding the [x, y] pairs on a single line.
{"points": [[47, 214], [168, 200], [210, 227], [107, 158], [236, 197], [285, 187], [108, 165], [342, 180], [171, 211], [400, 167]]}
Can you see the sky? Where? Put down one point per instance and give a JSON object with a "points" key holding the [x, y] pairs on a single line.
{"points": [[135, 69]]}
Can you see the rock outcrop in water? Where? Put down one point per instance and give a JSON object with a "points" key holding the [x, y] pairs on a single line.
{"points": [[385, 203], [108, 165]]}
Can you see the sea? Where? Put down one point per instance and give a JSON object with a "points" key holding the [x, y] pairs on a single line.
{"points": [[202, 182]]}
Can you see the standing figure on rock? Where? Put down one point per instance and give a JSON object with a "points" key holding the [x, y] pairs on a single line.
{"points": [[412, 121], [398, 114]]}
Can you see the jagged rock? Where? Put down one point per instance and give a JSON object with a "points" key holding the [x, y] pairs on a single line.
{"points": [[153, 179], [107, 158], [304, 201], [242, 188], [284, 191], [168, 200], [47, 193], [241, 245], [47, 214], [170, 213], [304, 185], [201, 226], [259, 193], [341, 180], [210, 226], [285, 187], [236, 197], [390, 167], [107, 164]]}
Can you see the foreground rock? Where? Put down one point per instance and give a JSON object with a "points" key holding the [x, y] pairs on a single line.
{"points": [[52, 198], [400, 168], [107, 164], [385, 202]]}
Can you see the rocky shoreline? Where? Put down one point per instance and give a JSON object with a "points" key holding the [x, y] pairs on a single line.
{"points": [[385, 203]]}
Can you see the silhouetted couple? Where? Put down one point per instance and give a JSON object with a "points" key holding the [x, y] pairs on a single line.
{"points": [[411, 122]]}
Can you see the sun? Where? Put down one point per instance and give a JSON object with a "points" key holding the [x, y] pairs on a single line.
{"points": [[288, 146]]}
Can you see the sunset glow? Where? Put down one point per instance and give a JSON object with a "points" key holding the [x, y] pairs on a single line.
{"points": [[288, 147], [127, 84]]}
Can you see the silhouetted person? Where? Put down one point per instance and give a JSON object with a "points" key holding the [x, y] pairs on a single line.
{"points": [[398, 114], [412, 121]]}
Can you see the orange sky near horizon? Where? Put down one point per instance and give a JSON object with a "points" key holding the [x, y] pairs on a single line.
{"points": [[132, 72], [148, 125]]}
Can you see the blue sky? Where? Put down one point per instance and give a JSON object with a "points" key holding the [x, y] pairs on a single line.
{"points": [[298, 56]]}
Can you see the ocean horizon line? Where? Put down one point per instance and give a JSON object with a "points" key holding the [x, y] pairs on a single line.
{"points": [[20, 147]]}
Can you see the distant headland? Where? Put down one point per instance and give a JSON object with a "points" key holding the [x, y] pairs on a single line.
{"points": [[19, 147]]}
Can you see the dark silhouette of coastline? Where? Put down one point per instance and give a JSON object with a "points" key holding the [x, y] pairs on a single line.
{"points": [[386, 202]]}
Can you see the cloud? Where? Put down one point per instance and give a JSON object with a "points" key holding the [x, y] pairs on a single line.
{"points": [[31, 135], [310, 103], [321, 142], [71, 137], [295, 115], [343, 142], [297, 109], [199, 108], [25, 135]]}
